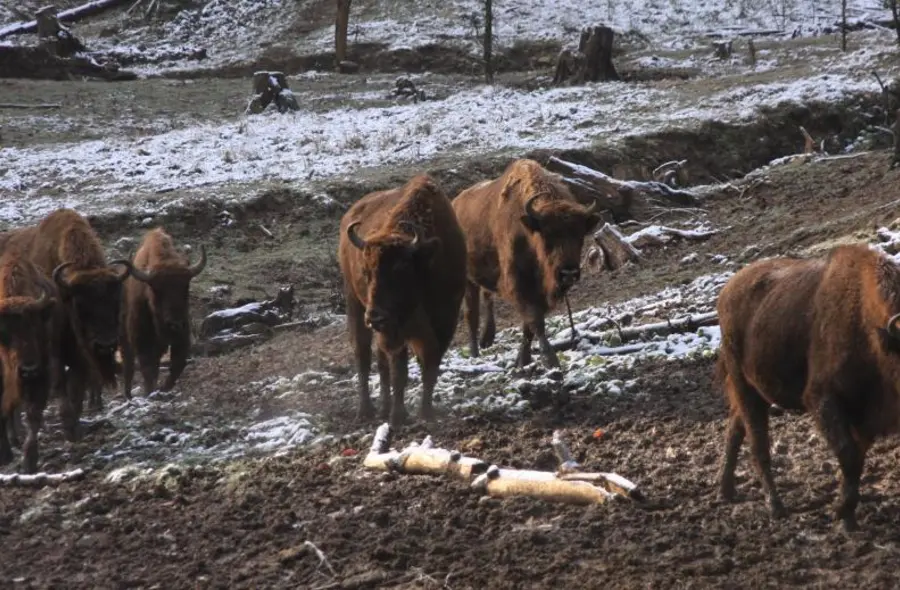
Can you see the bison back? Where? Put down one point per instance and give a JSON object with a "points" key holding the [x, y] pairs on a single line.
{"points": [[766, 320]]}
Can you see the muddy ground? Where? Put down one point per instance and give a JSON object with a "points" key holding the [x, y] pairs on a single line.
{"points": [[243, 524]]}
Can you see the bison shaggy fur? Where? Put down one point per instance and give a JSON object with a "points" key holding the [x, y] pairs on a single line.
{"points": [[28, 334], [814, 335], [156, 310], [524, 236], [65, 248], [403, 258]]}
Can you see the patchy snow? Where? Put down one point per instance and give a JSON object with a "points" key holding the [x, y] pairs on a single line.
{"points": [[303, 147]]}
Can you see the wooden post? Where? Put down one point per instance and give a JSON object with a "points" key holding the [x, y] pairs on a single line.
{"points": [[896, 160], [843, 25], [488, 41], [341, 26]]}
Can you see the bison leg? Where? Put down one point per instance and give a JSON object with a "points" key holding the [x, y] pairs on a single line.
{"points": [[6, 454], [361, 338], [95, 403], [384, 377], [851, 455], [399, 379], [70, 408], [127, 368], [178, 355], [734, 438], [149, 363], [754, 411], [15, 427], [490, 324], [546, 349], [473, 294], [34, 414], [524, 356]]}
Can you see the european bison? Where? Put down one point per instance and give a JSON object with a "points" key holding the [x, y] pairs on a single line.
{"points": [[156, 312], [67, 250], [403, 258], [817, 335], [28, 335], [524, 234]]}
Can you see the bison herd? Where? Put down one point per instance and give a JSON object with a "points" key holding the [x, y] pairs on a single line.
{"points": [[813, 335]]}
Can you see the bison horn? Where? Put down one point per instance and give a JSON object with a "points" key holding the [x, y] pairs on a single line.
{"points": [[129, 269], [198, 266], [43, 301], [529, 209], [592, 208], [417, 236], [354, 237], [892, 326], [58, 274]]}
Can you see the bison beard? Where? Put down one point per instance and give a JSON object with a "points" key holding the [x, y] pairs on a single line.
{"points": [[404, 281], [815, 335], [524, 233]]}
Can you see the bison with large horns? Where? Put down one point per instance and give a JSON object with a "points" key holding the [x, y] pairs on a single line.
{"points": [[67, 250], [815, 335], [524, 235], [403, 258], [156, 310], [29, 325]]}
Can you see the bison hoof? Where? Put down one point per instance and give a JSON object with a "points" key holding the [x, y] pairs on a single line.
{"points": [[486, 342], [29, 464], [777, 509], [365, 413], [399, 418], [849, 524]]}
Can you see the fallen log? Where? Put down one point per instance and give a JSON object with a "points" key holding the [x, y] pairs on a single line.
{"points": [[67, 16], [625, 199], [38, 63], [40, 479], [615, 248], [10, 105], [688, 323], [422, 459], [660, 235], [570, 470]]}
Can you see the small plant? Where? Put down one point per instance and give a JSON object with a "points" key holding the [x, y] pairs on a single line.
{"points": [[354, 142]]}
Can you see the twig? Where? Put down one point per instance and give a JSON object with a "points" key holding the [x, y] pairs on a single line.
{"points": [[40, 479], [42, 105], [266, 231], [567, 463], [322, 559], [571, 321]]}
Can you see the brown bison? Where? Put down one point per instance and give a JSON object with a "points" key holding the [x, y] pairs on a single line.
{"points": [[67, 250], [156, 311], [817, 335], [403, 258], [524, 233], [28, 335]]}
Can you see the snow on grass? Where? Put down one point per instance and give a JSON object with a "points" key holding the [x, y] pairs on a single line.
{"points": [[116, 174]]}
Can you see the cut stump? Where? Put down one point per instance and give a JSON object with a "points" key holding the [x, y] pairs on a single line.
{"points": [[271, 87], [592, 62]]}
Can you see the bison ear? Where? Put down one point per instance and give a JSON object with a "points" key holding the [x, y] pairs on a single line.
{"points": [[530, 223]]}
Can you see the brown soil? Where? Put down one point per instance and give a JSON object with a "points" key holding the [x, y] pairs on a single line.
{"points": [[244, 525]]}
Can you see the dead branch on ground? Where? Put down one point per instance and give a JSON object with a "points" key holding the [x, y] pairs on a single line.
{"points": [[612, 250], [67, 16], [12, 105], [690, 323], [417, 459], [41, 479], [570, 470]]}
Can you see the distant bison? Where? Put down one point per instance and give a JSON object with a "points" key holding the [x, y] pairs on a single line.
{"points": [[28, 337], [403, 258], [524, 235], [156, 311], [817, 335], [66, 249]]}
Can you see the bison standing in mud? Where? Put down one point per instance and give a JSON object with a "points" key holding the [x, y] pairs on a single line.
{"points": [[28, 336], [67, 250], [156, 312], [817, 335], [403, 258], [524, 233]]}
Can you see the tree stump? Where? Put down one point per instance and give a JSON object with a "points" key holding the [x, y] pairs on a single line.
{"points": [[616, 251], [269, 87], [724, 49], [53, 35], [592, 62]]}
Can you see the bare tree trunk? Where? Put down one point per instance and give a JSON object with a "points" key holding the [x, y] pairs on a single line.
{"points": [[843, 25], [488, 41], [341, 26], [895, 10]]}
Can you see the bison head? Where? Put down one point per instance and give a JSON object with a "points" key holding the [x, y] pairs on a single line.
{"points": [[392, 265], [22, 334], [560, 229], [169, 287], [92, 300]]}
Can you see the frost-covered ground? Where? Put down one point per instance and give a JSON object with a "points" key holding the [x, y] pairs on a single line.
{"points": [[119, 173]]}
